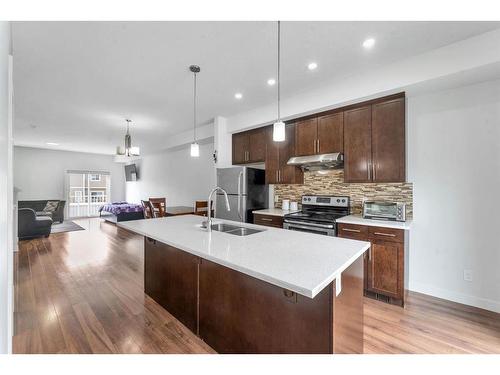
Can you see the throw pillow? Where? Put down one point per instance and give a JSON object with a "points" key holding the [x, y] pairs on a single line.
{"points": [[51, 206]]}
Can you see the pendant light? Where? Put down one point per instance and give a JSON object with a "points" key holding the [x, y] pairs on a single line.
{"points": [[279, 126], [195, 147], [128, 151]]}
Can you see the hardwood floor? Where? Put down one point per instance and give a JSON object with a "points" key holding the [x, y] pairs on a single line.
{"points": [[82, 292]]}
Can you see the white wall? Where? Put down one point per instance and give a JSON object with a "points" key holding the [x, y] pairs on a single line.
{"points": [[174, 175], [454, 163], [40, 173], [6, 263]]}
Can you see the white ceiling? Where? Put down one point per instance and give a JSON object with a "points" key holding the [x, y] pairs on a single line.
{"points": [[76, 82]]}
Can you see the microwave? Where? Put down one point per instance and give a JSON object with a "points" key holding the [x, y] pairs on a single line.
{"points": [[395, 211]]}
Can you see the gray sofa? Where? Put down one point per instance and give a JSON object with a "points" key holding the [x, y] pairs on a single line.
{"points": [[39, 205], [30, 225]]}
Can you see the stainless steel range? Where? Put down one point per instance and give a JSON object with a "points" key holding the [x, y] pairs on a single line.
{"points": [[319, 214]]}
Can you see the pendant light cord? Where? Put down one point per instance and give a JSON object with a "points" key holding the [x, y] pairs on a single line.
{"points": [[194, 107], [279, 58]]}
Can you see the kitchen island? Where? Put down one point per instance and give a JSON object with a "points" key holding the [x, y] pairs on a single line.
{"points": [[274, 291]]}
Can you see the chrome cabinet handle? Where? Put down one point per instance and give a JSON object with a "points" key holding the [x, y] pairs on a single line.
{"points": [[318, 149], [277, 177], [265, 219], [351, 230], [369, 168], [373, 172], [385, 234], [370, 254]]}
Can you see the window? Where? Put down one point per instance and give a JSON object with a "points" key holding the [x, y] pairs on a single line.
{"points": [[78, 196], [97, 196], [86, 192]]}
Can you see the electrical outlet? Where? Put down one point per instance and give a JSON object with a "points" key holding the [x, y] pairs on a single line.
{"points": [[276, 198], [468, 275]]}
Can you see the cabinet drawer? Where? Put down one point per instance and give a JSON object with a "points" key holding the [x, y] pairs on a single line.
{"points": [[386, 234], [353, 231], [268, 220]]}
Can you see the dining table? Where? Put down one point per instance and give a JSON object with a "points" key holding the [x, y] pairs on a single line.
{"points": [[179, 210]]}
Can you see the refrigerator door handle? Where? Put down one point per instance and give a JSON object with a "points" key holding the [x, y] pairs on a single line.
{"points": [[240, 177]]}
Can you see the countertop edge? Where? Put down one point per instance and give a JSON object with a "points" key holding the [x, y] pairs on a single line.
{"points": [[358, 220], [310, 293], [274, 212]]}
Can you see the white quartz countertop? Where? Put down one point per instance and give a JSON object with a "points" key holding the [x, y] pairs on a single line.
{"points": [[355, 219], [302, 262], [274, 211]]}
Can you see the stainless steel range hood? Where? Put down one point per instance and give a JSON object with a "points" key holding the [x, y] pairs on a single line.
{"points": [[318, 162]]}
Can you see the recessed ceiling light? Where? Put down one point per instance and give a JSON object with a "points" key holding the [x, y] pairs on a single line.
{"points": [[369, 43], [238, 95], [52, 144], [271, 81], [312, 66]]}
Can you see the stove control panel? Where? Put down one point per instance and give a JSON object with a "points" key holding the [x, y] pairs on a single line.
{"points": [[324, 200]]}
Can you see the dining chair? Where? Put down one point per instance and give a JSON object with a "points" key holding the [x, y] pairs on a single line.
{"points": [[149, 211], [159, 206], [201, 208]]}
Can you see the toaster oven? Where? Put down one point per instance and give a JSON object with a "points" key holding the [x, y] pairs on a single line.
{"points": [[395, 211]]}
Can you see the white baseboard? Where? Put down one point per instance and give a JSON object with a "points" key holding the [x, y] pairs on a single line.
{"points": [[482, 303]]}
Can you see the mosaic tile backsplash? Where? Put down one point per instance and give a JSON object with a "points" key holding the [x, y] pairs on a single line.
{"points": [[333, 183]]}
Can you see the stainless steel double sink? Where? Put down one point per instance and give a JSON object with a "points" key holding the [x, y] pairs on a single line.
{"points": [[234, 229]]}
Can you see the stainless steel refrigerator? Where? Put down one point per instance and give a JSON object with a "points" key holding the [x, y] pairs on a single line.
{"points": [[246, 189]]}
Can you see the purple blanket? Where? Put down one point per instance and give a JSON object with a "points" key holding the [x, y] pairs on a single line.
{"points": [[120, 207]]}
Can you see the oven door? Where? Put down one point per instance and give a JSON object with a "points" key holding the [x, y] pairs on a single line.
{"points": [[324, 229]]}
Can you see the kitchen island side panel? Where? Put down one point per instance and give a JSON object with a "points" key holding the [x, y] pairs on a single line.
{"points": [[348, 310], [241, 314], [171, 279]]}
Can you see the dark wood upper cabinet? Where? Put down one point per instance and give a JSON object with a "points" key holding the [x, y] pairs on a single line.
{"points": [[388, 141], [257, 145], [249, 146], [307, 136], [289, 174], [331, 133], [272, 157], [277, 155], [357, 145], [371, 136], [240, 148], [320, 135]]}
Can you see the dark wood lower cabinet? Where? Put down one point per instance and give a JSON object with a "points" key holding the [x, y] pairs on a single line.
{"points": [[384, 274], [268, 220], [237, 313], [171, 279], [385, 266]]}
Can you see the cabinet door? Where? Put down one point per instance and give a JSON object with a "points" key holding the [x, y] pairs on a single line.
{"points": [[357, 145], [289, 174], [240, 148], [331, 133], [306, 136], [171, 279], [385, 268], [257, 145], [388, 141], [272, 157]]}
